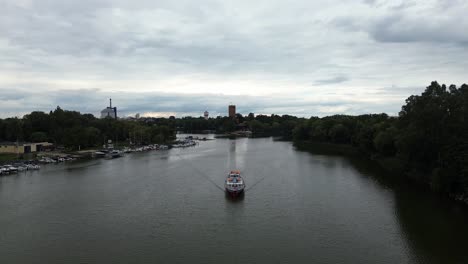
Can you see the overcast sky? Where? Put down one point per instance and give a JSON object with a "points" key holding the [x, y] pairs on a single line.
{"points": [[177, 57]]}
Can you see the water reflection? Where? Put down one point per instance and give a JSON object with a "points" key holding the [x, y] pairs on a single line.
{"points": [[234, 199], [81, 165], [435, 228], [232, 159]]}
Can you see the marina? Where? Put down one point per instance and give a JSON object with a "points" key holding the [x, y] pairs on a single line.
{"points": [[108, 153]]}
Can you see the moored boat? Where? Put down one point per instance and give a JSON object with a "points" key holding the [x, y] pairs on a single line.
{"points": [[115, 154], [234, 184], [33, 166], [10, 169], [21, 167], [4, 171], [99, 154]]}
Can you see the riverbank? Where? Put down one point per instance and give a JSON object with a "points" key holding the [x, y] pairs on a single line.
{"points": [[13, 163], [6, 157], [392, 167]]}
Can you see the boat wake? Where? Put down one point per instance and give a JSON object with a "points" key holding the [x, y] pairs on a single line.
{"points": [[200, 173], [207, 177]]}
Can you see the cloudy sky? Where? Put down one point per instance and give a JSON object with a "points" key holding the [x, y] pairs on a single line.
{"points": [[180, 57]]}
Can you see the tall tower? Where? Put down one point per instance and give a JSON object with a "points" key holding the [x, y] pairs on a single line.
{"points": [[232, 111], [205, 115], [113, 108], [109, 111]]}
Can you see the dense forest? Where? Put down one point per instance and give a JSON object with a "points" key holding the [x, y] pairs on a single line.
{"points": [[260, 125], [74, 130], [427, 142]]}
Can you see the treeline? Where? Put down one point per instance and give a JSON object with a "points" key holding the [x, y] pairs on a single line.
{"points": [[260, 125], [427, 142], [74, 130]]}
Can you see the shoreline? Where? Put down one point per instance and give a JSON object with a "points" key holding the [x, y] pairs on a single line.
{"points": [[392, 169]]}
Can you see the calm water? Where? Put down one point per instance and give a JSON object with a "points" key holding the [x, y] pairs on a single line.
{"points": [[169, 207]]}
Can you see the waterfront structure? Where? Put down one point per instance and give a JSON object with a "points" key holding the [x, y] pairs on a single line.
{"points": [[23, 147], [205, 115], [109, 111], [232, 111]]}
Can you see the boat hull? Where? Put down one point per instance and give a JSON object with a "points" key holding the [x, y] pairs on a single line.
{"points": [[235, 192]]}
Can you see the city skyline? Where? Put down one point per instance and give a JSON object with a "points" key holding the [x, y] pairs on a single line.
{"points": [[302, 58]]}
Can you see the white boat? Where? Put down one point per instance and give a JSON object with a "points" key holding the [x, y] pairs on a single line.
{"points": [[4, 171], [11, 169], [47, 160], [127, 150], [234, 183], [99, 154], [185, 144], [33, 166], [115, 154], [22, 168]]}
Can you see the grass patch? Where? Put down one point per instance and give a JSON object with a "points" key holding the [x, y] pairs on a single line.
{"points": [[5, 157]]}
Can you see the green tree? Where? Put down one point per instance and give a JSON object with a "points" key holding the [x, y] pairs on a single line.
{"points": [[38, 136]]}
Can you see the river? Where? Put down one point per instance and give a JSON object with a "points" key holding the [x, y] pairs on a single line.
{"points": [[169, 207]]}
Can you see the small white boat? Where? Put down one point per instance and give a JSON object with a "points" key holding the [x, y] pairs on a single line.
{"points": [[11, 169], [99, 154], [22, 168], [33, 167], [115, 154], [47, 160], [4, 171]]}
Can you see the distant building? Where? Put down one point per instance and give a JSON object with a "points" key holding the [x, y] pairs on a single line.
{"points": [[137, 116], [232, 111], [109, 111], [205, 115], [22, 147]]}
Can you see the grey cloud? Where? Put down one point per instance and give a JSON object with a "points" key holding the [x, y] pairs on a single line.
{"points": [[397, 90], [334, 80], [410, 22], [400, 28], [189, 38], [346, 23], [370, 2], [49, 47]]}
